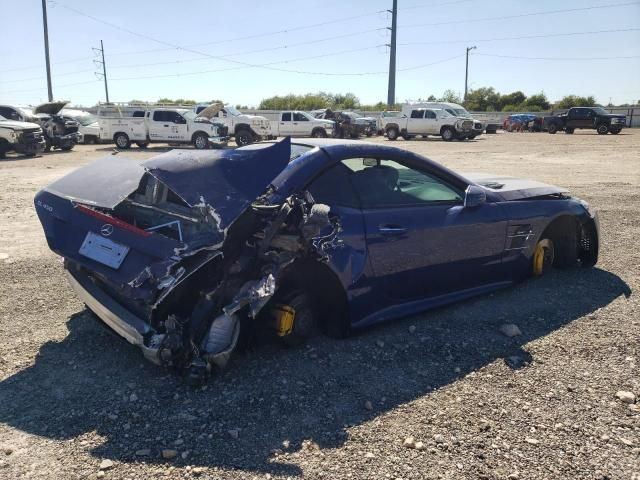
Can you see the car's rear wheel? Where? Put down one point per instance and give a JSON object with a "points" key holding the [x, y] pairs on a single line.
{"points": [[122, 141], [553, 128], [448, 134], [319, 133], [569, 131], [142, 144], [602, 129], [392, 133], [243, 137], [543, 257], [615, 131]]}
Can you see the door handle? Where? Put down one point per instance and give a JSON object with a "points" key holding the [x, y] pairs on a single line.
{"points": [[166, 125], [392, 229]]}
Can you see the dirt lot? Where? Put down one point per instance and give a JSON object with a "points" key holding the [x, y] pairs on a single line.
{"points": [[78, 402]]}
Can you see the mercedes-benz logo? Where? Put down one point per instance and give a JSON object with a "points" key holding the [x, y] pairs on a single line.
{"points": [[106, 229]]}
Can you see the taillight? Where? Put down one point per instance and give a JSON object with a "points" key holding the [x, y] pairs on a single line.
{"points": [[112, 220]]}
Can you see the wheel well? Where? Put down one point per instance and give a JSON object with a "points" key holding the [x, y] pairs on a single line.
{"points": [[193, 137], [450, 127], [119, 133], [242, 126], [326, 291], [315, 129], [563, 232], [389, 126]]}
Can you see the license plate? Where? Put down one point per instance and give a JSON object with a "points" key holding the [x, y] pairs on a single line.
{"points": [[103, 250]]}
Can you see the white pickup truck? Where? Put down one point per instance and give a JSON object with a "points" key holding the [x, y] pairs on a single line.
{"points": [[295, 123], [414, 121], [244, 128], [163, 125]]}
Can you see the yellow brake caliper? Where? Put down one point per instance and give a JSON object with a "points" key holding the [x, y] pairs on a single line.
{"points": [[538, 260], [284, 316]]}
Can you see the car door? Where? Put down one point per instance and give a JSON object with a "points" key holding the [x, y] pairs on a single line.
{"points": [[431, 123], [576, 118], [416, 124], [180, 127], [301, 124], [159, 125], [421, 240], [286, 124]]}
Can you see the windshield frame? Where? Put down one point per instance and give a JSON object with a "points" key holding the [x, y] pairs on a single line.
{"points": [[600, 111], [231, 110]]}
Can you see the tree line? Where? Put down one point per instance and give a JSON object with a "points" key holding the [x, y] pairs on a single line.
{"points": [[484, 99]]}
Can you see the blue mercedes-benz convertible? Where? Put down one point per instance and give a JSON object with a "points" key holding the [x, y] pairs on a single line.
{"points": [[182, 253]]}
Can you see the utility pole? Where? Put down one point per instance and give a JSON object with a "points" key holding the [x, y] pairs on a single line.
{"points": [[391, 94], [102, 74], [466, 72], [46, 48]]}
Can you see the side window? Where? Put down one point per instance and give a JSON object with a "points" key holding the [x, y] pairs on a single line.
{"points": [[298, 117], [286, 117], [430, 114], [388, 184], [333, 187], [138, 114], [175, 117], [4, 111], [160, 116], [416, 113]]}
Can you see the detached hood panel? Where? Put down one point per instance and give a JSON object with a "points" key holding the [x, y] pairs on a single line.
{"points": [[51, 108], [512, 188]]}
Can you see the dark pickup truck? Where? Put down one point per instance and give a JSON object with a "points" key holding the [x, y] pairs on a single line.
{"points": [[594, 118]]}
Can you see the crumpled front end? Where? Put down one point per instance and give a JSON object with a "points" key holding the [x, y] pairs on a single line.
{"points": [[182, 248]]}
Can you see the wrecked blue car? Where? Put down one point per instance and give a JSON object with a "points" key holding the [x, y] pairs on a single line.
{"points": [[182, 253]]}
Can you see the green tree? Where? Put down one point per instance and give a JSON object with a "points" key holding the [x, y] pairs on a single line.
{"points": [[431, 98], [575, 101], [449, 96], [538, 100], [482, 99]]}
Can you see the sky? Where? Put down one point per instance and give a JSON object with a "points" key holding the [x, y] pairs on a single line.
{"points": [[242, 52]]}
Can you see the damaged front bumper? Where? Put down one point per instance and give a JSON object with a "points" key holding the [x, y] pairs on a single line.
{"points": [[218, 142]]}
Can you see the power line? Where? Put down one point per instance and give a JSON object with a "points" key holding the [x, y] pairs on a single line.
{"points": [[57, 86], [519, 57], [521, 15], [40, 77], [33, 67], [522, 37]]}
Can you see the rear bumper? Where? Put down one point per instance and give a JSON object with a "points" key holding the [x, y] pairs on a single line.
{"points": [[130, 327]]}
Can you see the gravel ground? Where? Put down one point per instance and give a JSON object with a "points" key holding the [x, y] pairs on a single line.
{"points": [[441, 395]]}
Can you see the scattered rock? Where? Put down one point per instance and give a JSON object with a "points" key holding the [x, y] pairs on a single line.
{"points": [[234, 433], [510, 330], [412, 329], [409, 442], [369, 455], [7, 450], [145, 452], [439, 438], [368, 405], [532, 441], [419, 446], [625, 397], [100, 474], [169, 454], [106, 464], [198, 470], [133, 397]]}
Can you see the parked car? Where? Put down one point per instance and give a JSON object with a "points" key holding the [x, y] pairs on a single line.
{"points": [[418, 121], [347, 124], [593, 118], [60, 132], [244, 128], [295, 123], [89, 127], [21, 137], [19, 114], [186, 251], [460, 112], [519, 122], [163, 125]]}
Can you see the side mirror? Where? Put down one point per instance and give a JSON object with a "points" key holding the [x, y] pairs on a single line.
{"points": [[474, 196]]}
